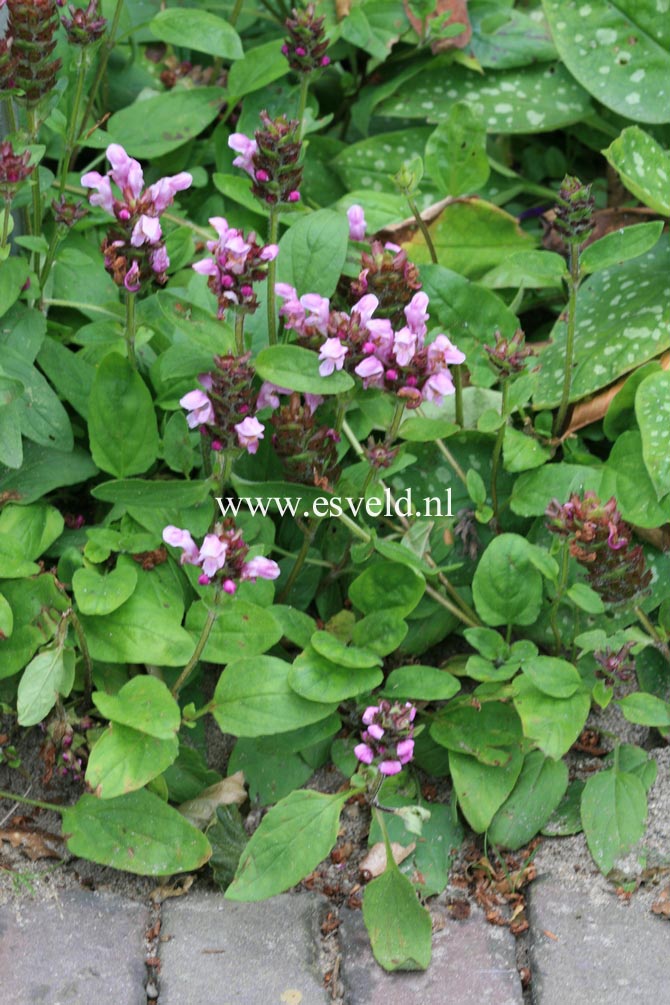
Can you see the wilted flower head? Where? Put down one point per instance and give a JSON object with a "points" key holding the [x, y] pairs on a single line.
{"points": [[508, 355], [387, 740], [85, 26], [307, 451]]}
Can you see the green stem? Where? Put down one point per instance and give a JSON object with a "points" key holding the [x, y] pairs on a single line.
{"points": [[105, 52], [88, 663], [448, 456], [11, 115], [573, 286], [30, 802], [302, 102], [235, 13], [497, 450], [397, 419], [131, 329], [70, 141], [307, 541], [457, 374], [272, 272], [423, 228], [33, 130], [212, 615], [452, 608], [560, 590], [239, 333], [646, 623], [50, 256], [6, 217]]}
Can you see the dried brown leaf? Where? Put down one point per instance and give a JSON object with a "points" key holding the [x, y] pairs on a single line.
{"points": [[662, 903], [374, 862], [199, 811], [176, 889], [33, 842]]}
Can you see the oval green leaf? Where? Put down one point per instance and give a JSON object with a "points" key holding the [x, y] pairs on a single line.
{"points": [[197, 29], [145, 704]]}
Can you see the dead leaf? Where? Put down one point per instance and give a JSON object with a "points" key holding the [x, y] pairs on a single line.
{"points": [[33, 842], [402, 232], [342, 8], [446, 12], [199, 811], [662, 903], [374, 862], [177, 889]]}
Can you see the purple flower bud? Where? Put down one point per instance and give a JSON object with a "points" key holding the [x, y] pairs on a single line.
{"points": [[229, 587], [204, 580], [262, 175], [132, 280], [293, 196], [325, 61]]}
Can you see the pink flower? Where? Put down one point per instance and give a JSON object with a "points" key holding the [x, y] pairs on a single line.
{"points": [[182, 539], [357, 224], [405, 750], [249, 433], [268, 396], [313, 401], [147, 230], [375, 731], [366, 307], [416, 313], [206, 267], [126, 172], [380, 334], [260, 568], [404, 346], [369, 714], [132, 281], [364, 753], [162, 193], [246, 148], [371, 372], [199, 407], [438, 386], [159, 259], [442, 352], [292, 309], [293, 196], [212, 556], [104, 196], [319, 311], [269, 252], [390, 767], [332, 356]]}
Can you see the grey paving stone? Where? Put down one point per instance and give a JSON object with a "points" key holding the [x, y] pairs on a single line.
{"points": [[75, 949], [251, 954], [600, 950], [473, 963]]}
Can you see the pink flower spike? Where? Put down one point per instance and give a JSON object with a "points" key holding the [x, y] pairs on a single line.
{"points": [[369, 714], [364, 753], [357, 224], [212, 554], [228, 587], [246, 148], [390, 767], [260, 568], [199, 407], [182, 539], [162, 193], [405, 751], [404, 346], [249, 433], [132, 281], [332, 356], [147, 230], [103, 196]]}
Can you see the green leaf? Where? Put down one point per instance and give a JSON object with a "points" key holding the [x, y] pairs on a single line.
{"points": [[646, 709], [398, 926], [259, 67], [125, 759], [387, 584], [137, 833], [566, 818], [157, 494], [552, 676], [552, 723], [6, 619], [381, 631], [228, 838], [36, 605], [420, 429], [534, 490], [507, 588], [177, 446], [241, 629], [156, 126], [585, 598], [312, 252], [505, 37], [620, 245], [652, 409], [101, 594], [34, 527], [13, 275], [45, 469], [271, 775], [627, 477], [620, 415], [253, 698], [296, 368], [530, 269], [188, 775], [538, 791], [456, 152], [422, 683], [315, 678], [617, 50], [144, 704], [122, 423], [614, 813], [12, 563], [522, 452], [353, 657], [623, 320], [197, 29], [48, 675], [531, 100], [69, 373], [293, 838], [644, 167], [483, 788], [372, 162], [470, 236], [42, 417], [487, 642], [486, 733]]}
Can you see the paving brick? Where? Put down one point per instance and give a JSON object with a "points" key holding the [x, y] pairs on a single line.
{"points": [[601, 950], [75, 949], [473, 963], [240, 954]]}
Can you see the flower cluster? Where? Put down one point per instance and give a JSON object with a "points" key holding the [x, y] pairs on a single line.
{"points": [[24, 57], [85, 26], [600, 541], [574, 212], [271, 159], [616, 663], [222, 407], [14, 168], [237, 264], [508, 355], [387, 272], [67, 213], [135, 250], [306, 43], [387, 740], [308, 452], [222, 557], [398, 361]]}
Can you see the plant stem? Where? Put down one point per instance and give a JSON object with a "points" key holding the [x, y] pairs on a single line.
{"points": [[131, 329], [423, 228], [448, 456], [30, 802], [646, 623], [307, 541], [573, 286], [239, 333], [105, 52], [302, 102], [235, 13], [560, 590], [50, 256], [272, 272], [457, 374], [212, 615], [497, 450], [33, 130], [83, 645], [6, 217], [452, 608], [71, 139], [11, 115]]}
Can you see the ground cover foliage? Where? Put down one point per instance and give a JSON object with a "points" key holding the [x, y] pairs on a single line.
{"points": [[403, 254]]}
